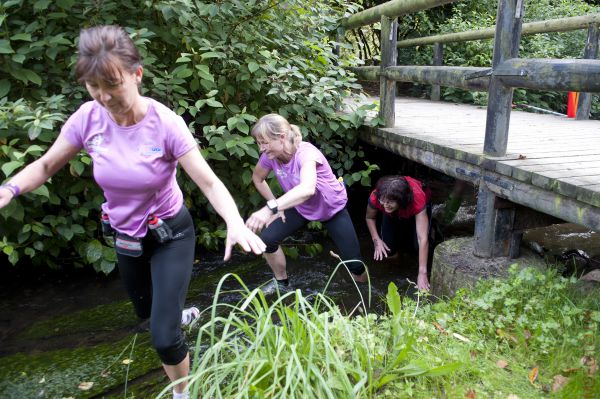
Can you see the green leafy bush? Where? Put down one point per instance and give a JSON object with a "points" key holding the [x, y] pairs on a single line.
{"points": [[220, 65]]}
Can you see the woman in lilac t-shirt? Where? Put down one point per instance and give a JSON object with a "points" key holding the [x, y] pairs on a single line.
{"points": [[312, 193], [136, 144]]}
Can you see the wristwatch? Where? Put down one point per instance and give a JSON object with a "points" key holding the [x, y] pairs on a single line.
{"points": [[272, 205]]}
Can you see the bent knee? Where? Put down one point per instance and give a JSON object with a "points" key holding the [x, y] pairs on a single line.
{"points": [[170, 352]]}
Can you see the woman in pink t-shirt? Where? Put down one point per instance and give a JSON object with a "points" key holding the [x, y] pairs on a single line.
{"points": [[312, 193], [404, 206], [136, 144]]}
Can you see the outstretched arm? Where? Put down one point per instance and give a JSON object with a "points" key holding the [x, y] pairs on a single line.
{"points": [[216, 193], [40, 170], [422, 223]]}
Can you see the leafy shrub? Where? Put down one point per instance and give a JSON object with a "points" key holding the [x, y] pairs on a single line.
{"points": [[220, 65]]}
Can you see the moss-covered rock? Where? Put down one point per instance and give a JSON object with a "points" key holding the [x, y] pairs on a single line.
{"points": [[455, 266]]}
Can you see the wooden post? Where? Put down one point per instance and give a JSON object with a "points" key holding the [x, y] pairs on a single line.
{"points": [[387, 87], [438, 60], [495, 225], [506, 46], [590, 53]]}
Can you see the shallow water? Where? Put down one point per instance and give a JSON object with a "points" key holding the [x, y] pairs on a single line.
{"points": [[29, 297]]}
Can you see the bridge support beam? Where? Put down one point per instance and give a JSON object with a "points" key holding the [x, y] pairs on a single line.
{"points": [[591, 52], [493, 225], [389, 55], [438, 60]]}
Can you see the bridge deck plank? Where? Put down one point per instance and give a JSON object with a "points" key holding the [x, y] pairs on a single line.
{"points": [[554, 153]]}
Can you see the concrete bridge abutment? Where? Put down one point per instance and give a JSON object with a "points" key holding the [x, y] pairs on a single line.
{"points": [[455, 266]]}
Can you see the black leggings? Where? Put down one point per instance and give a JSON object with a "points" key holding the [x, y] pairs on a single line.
{"points": [[339, 227], [397, 232], [157, 284]]}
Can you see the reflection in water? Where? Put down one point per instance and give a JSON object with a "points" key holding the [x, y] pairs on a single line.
{"points": [[559, 238]]}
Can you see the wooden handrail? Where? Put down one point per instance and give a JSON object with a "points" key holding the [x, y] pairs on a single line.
{"points": [[391, 9], [531, 28]]}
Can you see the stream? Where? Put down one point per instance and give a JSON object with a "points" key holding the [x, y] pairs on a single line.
{"points": [[73, 333]]}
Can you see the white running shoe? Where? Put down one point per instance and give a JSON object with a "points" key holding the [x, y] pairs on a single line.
{"points": [[182, 395], [189, 315]]}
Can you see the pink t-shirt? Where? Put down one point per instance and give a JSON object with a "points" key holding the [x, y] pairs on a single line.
{"points": [[330, 194], [134, 165]]}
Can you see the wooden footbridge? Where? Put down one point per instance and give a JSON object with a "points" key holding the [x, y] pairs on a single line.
{"points": [[518, 160]]}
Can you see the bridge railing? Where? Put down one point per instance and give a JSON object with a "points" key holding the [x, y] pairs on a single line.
{"points": [[590, 22], [531, 75], [506, 72]]}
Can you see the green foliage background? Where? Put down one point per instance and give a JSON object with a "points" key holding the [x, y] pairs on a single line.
{"points": [[220, 65]]}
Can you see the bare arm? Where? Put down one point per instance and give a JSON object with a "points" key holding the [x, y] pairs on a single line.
{"points": [[38, 172], [370, 218], [216, 193], [297, 195], [422, 224], [380, 248], [259, 177]]}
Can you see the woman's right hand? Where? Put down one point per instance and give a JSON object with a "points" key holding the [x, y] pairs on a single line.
{"points": [[240, 234], [381, 249]]}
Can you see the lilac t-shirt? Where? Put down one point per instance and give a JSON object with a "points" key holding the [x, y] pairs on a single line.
{"points": [[330, 195], [134, 165]]}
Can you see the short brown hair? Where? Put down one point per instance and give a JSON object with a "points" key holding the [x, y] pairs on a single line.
{"points": [[395, 188], [104, 52]]}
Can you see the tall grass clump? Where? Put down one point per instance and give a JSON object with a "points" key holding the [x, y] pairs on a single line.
{"points": [[293, 346], [524, 336]]}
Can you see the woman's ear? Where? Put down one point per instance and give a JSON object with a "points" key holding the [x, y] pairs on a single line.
{"points": [[139, 72]]}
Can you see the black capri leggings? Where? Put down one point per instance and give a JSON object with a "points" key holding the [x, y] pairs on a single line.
{"points": [[340, 229], [401, 233], [157, 284]]}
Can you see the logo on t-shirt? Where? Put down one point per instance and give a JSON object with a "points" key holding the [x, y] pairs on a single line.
{"points": [[280, 173], [94, 143], [151, 150]]}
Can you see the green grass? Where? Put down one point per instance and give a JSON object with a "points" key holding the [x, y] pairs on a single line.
{"points": [[488, 343]]}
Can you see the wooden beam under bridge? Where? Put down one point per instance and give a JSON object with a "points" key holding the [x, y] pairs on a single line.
{"points": [[548, 202]]}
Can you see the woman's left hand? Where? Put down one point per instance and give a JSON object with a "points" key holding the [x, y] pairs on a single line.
{"points": [[240, 234], [423, 282], [262, 218]]}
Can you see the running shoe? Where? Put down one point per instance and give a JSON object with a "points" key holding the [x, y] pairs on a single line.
{"points": [[189, 315]]}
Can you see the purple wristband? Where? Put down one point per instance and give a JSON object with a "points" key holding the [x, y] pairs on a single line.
{"points": [[13, 188]]}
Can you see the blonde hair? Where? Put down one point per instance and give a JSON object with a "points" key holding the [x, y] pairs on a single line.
{"points": [[270, 126]]}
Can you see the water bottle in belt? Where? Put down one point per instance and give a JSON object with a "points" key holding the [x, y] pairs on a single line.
{"points": [[161, 231], [107, 231]]}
